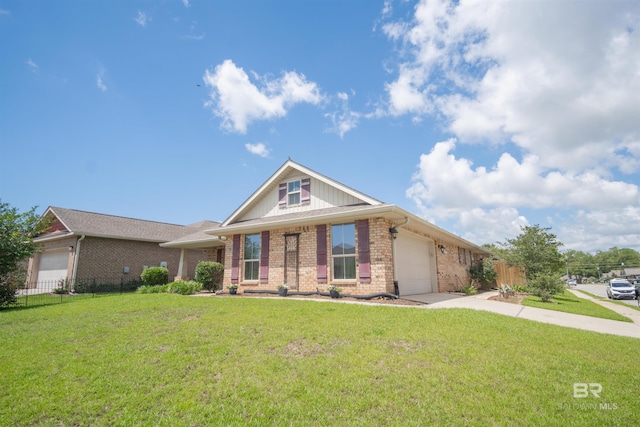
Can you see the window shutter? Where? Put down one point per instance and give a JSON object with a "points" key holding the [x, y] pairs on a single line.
{"points": [[264, 257], [305, 194], [219, 253], [364, 261], [282, 195], [321, 251], [235, 259]]}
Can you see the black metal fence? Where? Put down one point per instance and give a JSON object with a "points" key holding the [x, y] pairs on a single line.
{"points": [[66, 290]]}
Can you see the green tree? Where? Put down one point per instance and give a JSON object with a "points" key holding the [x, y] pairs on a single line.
{"points": [[17, 231], [535, 249]]}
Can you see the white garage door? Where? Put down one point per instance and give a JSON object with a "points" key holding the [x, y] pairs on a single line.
{"points": [[53, 267], [414, 264]]}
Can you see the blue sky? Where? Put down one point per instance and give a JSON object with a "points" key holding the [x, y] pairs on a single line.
{"points": [[479, 116]]}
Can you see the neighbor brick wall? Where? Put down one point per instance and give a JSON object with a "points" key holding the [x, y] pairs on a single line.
{"points": [[101, 257], [380, 257]]}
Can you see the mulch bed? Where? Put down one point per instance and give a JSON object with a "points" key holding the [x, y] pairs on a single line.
{"points": [[380, 300]]}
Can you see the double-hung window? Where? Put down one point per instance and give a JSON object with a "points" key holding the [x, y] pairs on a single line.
{"points": [[251, 256], [293, 193], [343, 251]]}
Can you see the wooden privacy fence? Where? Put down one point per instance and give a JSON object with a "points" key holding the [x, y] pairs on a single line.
{"points": [[509, 275]]}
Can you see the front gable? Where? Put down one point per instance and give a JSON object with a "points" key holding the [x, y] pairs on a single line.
{"points": [[294, 189]]}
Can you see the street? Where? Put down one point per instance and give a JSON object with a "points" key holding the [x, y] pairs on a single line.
{"points": [[601, 291]]}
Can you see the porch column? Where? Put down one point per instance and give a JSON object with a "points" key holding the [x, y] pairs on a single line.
{"points": [[183, 266]]}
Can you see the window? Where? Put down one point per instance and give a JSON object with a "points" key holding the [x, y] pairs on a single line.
{"points": [[251, 256], [462, 256], [293, 193], [343, 251]]}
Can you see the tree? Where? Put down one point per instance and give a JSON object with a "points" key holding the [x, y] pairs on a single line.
{"points": [[535, 249], [17, 231]]}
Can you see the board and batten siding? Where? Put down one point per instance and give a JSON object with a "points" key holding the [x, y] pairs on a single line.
{"points": [[322, 196]]}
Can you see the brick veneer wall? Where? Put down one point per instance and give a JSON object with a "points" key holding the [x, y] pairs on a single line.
{"points": [[380, 246], [101, 257]]}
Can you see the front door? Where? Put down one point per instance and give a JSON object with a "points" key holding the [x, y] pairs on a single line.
{"points": [[291, 260]]}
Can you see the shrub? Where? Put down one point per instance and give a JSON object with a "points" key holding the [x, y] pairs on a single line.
{"points": [[484, 273], [155, 276], [8, 290], [210, 274], [546, 286], [184, 288], [157, 289], [469, 290]]}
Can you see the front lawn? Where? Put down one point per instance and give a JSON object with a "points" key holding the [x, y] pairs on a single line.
{"points": [[169, 360], [570, 303]]}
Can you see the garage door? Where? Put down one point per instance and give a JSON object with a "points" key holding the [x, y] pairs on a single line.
{"points": [[414, 264], [53, 267]]}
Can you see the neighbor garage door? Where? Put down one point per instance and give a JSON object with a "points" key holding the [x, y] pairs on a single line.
{"points": [[414, 264], [53, 267]]}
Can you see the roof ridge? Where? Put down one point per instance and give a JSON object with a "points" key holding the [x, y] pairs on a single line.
{"points": [[115, 216]]}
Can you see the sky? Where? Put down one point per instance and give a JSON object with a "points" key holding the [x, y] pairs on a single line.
{"points": [[479, 116]]}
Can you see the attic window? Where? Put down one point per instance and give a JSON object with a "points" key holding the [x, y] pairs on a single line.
{"points": [[293, 193]]}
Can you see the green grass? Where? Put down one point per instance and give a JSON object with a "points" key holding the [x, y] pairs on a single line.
{"points": [[612, 301], [169, 360], [570, 303]]}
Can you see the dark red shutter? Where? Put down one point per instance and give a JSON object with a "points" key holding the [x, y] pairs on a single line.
{"points": [[305, 194], [264, 257], [219, 253], [235, 259], [321, 251], [282, 195], [364, 260]]}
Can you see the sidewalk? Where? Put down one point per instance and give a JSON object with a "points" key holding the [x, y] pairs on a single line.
{"points": [[605, 326]]}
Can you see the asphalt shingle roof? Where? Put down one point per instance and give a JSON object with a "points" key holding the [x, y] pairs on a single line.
{"points": [[102, 225]]}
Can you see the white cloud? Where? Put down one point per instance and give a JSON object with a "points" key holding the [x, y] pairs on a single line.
{"points": [[186, 3], [32, 65], [5, 12], [100, 83], [447, 188], [142, 19], [344, 120], [258, 149], [559, 79], [238, 101]]}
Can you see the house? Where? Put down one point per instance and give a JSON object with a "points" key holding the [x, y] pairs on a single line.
{"points": [[309, 231], [81, 246]]}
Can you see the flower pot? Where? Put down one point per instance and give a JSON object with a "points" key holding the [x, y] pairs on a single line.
{"points": [[233, 291], [334, 294], [283, 292]]}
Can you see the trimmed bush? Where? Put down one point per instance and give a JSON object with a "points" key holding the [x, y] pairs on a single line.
{"points": [[157, 289], [546, 286], [210, 274], [153, 276], [184, 288], [8, 291]]}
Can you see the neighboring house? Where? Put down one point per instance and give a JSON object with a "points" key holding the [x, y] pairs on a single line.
{"points": [[309, 231], [82, 246]]}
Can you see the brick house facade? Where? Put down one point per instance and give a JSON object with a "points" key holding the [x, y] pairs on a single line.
{"points": [[309, 231], [82, 246]]}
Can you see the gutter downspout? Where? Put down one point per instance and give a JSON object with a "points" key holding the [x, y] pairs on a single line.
{"points": [[393, 254], [75, 263]]}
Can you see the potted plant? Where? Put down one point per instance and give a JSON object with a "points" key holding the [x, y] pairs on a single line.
{"points": [[283, 289], [334, 291], [233, 289]]}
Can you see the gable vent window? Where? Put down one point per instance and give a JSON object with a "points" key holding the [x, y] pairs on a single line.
{"points": [[293, 193]]}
